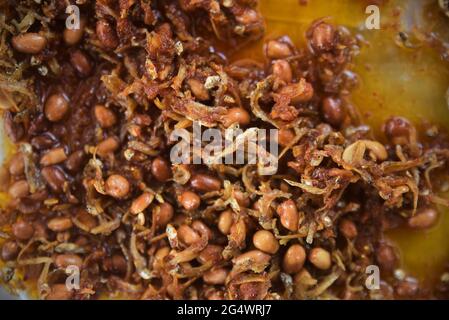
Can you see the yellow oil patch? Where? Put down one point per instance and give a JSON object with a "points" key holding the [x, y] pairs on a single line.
{"points": [[409, 82]]}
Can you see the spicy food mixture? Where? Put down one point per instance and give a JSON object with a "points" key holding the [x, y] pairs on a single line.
{"points": [[92, 185]]}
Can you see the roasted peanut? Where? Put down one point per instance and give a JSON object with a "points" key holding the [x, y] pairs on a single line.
{"points": [[252, 257], [17, 164], [117, 186], [22, 230], [294, 259], [163, 214], [324, 129], [205, 182], [348, 229], [86, 219], [31, 43], [265, 241], [73, 36], [54, 177], [141, 203], [60, 224], [108, 146], [277, 50], [242, 198], [285, 136], [187, 235], [323, 36], [320, 258], [212, 253], [248, 16], [236, 115], [215, 295], [238, 232], [75, 161], [54, 156], [19, 189], [64, 260], [386, 257], [333, 111], [119, 264], [225, 221], [81, 62], [198, 89], [105, 117], [424, 219], [160, 169], [42, 142], [282, 70], [398, 130], [10, 250], [202, 229], [56, 107], [4, 179], [298, 92], [106, 34], [288, 214], [189, 200], [40, 229]]}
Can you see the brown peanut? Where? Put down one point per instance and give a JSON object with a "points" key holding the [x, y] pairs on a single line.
{"points": [[277, 50], [294, 259], [108, 146], [187, 235], [225, 221], [423, 219], [141, 203], [236, 115], [105, 117], [282, 70], [19, 189], [117, 186], [31, 43], [205, 182], [54, 177], [56, 107], [189, 200], [64, 260], [73, 36], [60, 224], [265, 241], [54, 156], [160, 169], [288, 214], [22, 230], [163, 214], [320, 258], [198, 89]]}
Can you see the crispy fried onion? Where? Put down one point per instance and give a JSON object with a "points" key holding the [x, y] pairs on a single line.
{"points": [[249, 287], [175, 258], [261, 88], [139, 261], [196, 111], [255, 261]]}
